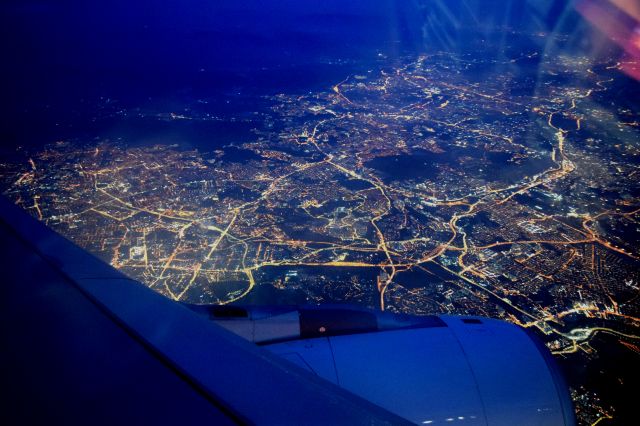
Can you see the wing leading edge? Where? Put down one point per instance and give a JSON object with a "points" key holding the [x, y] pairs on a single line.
{"points": [[85, 344]]}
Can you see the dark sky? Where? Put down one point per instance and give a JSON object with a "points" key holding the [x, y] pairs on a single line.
{"points": [[91, 43], [59, 55]]}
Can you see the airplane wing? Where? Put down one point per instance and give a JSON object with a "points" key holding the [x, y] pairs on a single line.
{"points": [[83, 343]]}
